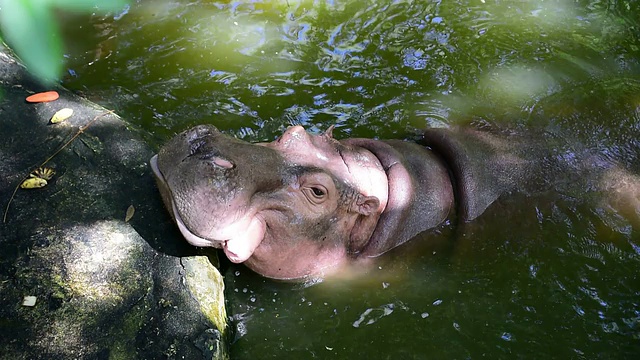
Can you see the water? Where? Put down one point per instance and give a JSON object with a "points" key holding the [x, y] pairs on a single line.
{"points": [[551, 276]]}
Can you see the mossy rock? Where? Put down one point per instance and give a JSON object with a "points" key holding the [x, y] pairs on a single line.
{"points": [[104, 287]]}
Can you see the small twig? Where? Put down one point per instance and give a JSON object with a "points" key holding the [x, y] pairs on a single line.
{"points": [[80, 131]]}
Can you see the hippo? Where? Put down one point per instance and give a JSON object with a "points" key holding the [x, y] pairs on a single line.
{"points": [[305, 205]]}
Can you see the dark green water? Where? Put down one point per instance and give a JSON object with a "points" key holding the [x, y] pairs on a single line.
{"points": [[552, 276]]}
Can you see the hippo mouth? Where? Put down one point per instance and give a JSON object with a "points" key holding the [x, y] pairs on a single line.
{"points": [[190, 236], [235, 249]]}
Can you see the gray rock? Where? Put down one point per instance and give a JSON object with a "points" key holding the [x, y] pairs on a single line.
{"points": [[104, 288]]}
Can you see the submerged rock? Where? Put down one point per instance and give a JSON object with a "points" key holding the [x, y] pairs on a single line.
{"points": [[104, 288]]}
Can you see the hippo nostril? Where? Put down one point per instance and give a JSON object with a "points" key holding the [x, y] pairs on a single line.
{"points": [[206, 153], [202, 130], [223, 163], [199, 132], [195, 146], [201, 146]]}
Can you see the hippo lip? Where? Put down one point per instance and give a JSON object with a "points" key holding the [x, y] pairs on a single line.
{"points": [[230, 254], [188, 234], [196, 240]]}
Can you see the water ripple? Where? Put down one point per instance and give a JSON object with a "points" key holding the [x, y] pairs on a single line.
{"points": [[372, 315]]}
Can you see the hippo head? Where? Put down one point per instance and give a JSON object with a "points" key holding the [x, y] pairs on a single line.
{"points": [[292, 208]]}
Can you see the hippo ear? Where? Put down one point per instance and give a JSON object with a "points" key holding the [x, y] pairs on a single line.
{"points": [[366, 205], [367, 209], [329, 132]]}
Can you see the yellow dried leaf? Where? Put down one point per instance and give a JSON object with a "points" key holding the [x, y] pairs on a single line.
{"points": [[61, 115], [130, 211], [33, 183], [43, 173]]}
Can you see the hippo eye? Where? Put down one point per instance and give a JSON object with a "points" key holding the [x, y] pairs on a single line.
{"points": [[317, 187], [317, 192]]}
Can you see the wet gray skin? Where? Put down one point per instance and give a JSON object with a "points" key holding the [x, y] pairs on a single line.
{"points": [[302, 205], [305, 205]]}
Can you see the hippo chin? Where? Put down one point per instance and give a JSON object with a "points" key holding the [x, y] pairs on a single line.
{"points": [[304, 204]]}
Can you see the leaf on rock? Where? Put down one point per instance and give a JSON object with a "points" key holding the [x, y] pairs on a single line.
{"points": [[61, 115], [33, 183], [43, 97], [29, 301], [130, 211]]}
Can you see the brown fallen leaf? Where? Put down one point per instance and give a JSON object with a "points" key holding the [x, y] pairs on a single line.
{"points": [[43, 97], [43, 173], [130, 211]]}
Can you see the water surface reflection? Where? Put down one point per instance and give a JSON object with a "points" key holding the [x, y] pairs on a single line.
{"points": [[552, 275]]}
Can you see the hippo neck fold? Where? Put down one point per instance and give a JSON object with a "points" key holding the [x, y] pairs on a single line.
{"points": [[467, 170], [483, 166], [420, 193]]}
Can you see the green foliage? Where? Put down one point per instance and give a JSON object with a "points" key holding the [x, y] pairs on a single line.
{"points": [[31, 30]]}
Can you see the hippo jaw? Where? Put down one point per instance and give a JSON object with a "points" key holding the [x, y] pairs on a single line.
{"points": [[250, 231], [192, 238], [213, 196]]}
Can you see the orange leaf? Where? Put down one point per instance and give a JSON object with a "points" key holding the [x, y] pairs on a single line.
{"points": [[43, 97]]}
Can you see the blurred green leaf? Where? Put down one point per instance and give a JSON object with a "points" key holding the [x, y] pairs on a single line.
{"points": [[100, 6], [30, 30]]}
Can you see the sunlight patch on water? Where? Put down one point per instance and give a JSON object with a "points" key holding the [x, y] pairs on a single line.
{"points": [[516, 84], [156, 9], [526, 15], [232, 38]]}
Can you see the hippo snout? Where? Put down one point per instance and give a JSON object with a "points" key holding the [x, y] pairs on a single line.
{"points": [[203, 150], [214, 185], [200, 131], [201, 147]]}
